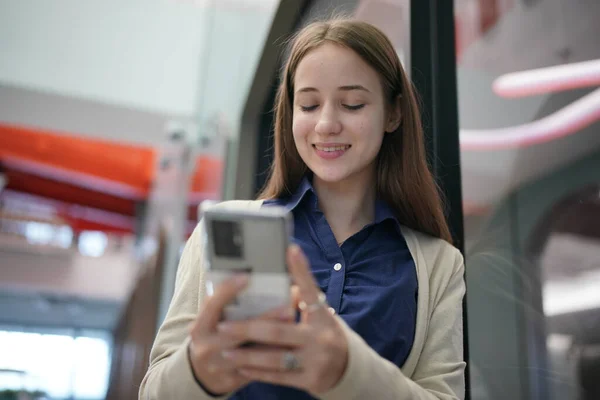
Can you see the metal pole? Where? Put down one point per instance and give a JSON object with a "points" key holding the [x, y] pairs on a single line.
{"points": [[433, 71]]}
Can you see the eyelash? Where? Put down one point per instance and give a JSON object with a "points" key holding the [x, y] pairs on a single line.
{"points": [[348, 107]]}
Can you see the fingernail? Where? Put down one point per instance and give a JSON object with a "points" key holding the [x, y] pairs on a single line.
{"points": [[224, 327]]}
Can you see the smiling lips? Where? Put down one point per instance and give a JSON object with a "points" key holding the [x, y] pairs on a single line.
{"points": [[331, 151]]}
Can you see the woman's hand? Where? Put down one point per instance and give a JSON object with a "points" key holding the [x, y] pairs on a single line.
{"points": [[218, 375], [311, 355]]}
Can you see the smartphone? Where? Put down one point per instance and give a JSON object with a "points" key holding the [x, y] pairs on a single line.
{"points": [[253, 242]]}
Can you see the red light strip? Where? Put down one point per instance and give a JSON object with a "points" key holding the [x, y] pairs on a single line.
{"points": [[548, 80], [567, 121]]}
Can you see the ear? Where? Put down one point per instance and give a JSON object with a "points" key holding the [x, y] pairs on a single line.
{"points": [[394, 117]]}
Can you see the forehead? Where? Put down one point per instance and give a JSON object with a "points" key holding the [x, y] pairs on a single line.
{"points": [[332, 66]]}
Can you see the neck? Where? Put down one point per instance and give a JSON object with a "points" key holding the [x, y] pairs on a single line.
{"points": [[348, 205]]}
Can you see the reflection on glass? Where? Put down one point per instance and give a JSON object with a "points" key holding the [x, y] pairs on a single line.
{"points": [[393, 18], [529, 103], [234, 37]]}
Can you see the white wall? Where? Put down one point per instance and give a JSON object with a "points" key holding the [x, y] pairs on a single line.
{"points": [[235, 41], [122, 69], [136, 53]]}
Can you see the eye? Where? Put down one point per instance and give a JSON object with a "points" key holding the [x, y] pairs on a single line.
{"points": [[353, 107], [309, 108]]}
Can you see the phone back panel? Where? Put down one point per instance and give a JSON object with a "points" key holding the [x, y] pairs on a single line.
{"points": [[253, 242]]}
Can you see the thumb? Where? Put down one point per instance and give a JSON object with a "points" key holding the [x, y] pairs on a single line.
{"points": [[295, 295], [213, 306], [306, 288], [302, 274]]}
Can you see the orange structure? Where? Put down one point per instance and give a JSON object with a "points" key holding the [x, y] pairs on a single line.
{"points": [[93, 173]]}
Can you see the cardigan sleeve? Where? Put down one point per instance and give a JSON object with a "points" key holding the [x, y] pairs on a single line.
{"points": [[439, 374], [170, 375]]}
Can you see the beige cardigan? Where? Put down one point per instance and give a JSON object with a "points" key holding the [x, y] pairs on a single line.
{"points": [[434, 368]]}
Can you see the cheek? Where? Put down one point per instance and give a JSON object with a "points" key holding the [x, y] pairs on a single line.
{"points": [[371, 130], [301, 128]]}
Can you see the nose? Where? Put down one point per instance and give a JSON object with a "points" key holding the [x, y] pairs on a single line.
{"points": [[328, 123]]}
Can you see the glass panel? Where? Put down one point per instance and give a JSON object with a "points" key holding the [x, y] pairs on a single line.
{"points": [[529, 103], [42, 361], [59, 365], [91, 368], [50, 360], [393, 18], [235, 36]]}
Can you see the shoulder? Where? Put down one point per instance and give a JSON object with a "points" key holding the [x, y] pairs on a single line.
{"points": [[438, 258], [231, 205]]}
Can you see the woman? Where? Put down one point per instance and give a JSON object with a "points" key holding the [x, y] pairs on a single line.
{"points": [[379, 286]]}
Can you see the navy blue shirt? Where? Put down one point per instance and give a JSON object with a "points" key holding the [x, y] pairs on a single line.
{"points": [[370, 281]]}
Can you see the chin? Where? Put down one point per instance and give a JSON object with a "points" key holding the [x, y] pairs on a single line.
{"points": [[330, 176]]}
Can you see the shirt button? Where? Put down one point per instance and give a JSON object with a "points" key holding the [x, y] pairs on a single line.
{"points": [[337, 266]]}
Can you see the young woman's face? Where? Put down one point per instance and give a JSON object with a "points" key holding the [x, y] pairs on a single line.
{"points": [[339, 116]]}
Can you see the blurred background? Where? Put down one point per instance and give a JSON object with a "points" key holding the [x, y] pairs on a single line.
{"points": [[118, 117]]}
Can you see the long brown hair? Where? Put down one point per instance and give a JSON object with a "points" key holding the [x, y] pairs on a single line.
{"points": [[404, 179]]}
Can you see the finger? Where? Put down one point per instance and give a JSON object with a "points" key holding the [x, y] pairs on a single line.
{"points": [[283, 313], [309, 292], [298, 303], [302, 274], [214, 305], [261, 357], [295, 295], [214, 343], [266, 332], [216, 364], [207, 356]]}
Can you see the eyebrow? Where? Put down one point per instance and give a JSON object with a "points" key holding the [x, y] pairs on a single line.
{"points": [[346, 88]]}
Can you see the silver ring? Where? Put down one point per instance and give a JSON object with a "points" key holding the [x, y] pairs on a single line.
{"points": [[290, 361], [321, 303]]}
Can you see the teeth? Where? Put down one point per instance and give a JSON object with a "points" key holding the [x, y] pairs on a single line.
{"points": [[331, 148]]}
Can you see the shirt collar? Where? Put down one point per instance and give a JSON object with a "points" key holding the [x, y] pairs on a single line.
{"points": [[383, 212], [305, 189]]}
